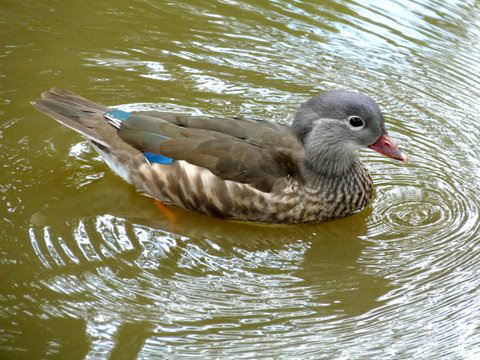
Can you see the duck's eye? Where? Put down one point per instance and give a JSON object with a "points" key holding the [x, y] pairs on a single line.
{"points": [[355, 122]]}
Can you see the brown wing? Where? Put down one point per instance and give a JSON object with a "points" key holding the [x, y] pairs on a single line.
{"points": [[258, 153]]}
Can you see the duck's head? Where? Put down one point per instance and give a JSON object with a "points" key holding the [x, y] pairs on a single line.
{"points": [[333, 125]]}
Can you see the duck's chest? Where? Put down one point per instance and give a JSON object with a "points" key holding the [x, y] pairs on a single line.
{"points": [[324, 200]]}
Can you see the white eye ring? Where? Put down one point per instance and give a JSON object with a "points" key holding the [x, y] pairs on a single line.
{"points": [[356, 122]]}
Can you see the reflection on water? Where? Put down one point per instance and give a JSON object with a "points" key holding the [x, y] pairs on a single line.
{"points": [[279, 279], [92, 269]]}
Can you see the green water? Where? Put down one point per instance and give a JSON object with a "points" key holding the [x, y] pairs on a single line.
{"points": [[91, 269]]}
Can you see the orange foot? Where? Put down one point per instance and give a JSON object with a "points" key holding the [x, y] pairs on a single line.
{"points": [[169, 214]]}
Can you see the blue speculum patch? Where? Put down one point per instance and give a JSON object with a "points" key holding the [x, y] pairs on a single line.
{"points": [[157, 158], [121, 115], [118, 114]]}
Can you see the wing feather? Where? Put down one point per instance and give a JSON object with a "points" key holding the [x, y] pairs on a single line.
{"points": [[252, 152]]}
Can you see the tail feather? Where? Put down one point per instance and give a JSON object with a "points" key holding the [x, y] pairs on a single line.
{"points": [[73, 111], [69, 97]]}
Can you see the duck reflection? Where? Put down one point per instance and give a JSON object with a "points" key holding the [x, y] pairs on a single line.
{"points": [[325, 256], [315, 271]]}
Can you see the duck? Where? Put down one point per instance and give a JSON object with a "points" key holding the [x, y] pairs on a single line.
{"points": [[238, 168]]}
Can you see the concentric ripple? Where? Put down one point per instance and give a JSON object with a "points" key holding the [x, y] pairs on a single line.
{"points": [[417, 214], [435, 197]]}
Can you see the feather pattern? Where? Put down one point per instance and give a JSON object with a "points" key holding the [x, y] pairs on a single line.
{"points": [[225, 167]]}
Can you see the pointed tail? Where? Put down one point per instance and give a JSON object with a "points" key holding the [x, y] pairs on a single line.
{"points": [[75, 112]]}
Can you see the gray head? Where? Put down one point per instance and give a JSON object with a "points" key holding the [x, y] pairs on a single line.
{"points": [[333, 125]]}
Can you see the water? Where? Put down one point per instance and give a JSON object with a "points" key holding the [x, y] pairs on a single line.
{"points": [[90, 269]]}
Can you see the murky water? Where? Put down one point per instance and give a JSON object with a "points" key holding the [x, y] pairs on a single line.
{"points": [[89, 268]]}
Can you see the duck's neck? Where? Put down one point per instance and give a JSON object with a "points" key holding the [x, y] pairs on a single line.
{"points": [[320, 173], [348, 185], [327, 156], [332, 162]]}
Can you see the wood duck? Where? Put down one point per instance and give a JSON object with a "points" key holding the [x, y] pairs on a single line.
{"points": [[236, 168]]}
